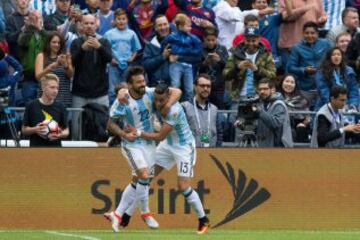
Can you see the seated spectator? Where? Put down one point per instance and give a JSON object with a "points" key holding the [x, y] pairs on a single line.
{"points": [[42, 110], [305, 59], [343, 41], [214, 58], [8, 6], [329, 130], [125, 46], [106, 16], [51, 22], [54, 59], [300, 123], [182, 43], [350, 24], [202, 116], [31, 41], [333, 71], [45, 7], [155, 60], [9, 78], [251, 21]]}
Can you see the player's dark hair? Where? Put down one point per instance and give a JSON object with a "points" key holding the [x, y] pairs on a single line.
{"points": [[161, 88], [133, 71]]}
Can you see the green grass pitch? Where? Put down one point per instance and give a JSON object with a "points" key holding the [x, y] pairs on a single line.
{"points": [[179, 234]]}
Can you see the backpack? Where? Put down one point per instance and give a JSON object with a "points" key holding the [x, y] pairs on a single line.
{"points": [[94, 121]]}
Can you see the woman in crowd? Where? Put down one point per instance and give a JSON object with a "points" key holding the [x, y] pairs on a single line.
{"points": [[300, 123], [334, 71], [54, 59]]}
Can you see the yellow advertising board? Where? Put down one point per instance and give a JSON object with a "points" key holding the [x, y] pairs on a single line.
{"points": [[241, 188]]}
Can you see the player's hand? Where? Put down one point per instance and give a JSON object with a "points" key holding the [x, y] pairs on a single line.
{"points": [[131, 136], [128, 128], [123, 96]]}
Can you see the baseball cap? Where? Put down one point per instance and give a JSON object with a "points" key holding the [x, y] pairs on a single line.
{"points": [[251, 32]]}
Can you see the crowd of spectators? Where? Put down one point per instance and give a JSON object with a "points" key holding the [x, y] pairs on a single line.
{"points": [[305, 47]]}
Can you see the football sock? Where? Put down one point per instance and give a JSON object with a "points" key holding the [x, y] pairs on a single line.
{"points": [[142, 197], [193, 199], [127, 198]]}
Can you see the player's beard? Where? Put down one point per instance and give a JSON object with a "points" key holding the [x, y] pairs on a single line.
{"points": [[139, 91]]}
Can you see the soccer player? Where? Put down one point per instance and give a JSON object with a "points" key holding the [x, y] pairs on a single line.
{"points": [[138, 152], [178, 148]]}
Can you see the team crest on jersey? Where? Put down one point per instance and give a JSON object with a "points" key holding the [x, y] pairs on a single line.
{"points": [[174, 115], [207, 14]]}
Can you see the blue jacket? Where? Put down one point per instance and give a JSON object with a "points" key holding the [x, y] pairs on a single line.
{"points": [[304, 55], [349, 82], [183, 44]]}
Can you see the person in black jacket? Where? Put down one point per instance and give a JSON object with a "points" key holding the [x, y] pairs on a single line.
{"points": [[90, 56], [61, 14]]}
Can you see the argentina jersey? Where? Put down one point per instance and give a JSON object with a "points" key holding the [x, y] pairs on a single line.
{"points": [[181, 133], [136, 113]]}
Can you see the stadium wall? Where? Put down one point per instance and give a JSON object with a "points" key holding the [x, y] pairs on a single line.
{"points": [[71, 188]]}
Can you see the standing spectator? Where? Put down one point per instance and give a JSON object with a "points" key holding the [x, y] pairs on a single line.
{"points": [[90, 55], [201, 17], [333, 10], [92, 7], [8, 6], [45, 7], [53, 59], [343, 41], [106, 16], [214, 58], [125, 46], [182, 43], [350, 20], [273, 128], [334, 72], [156, 61], [43, 109], [291, 30], [51, 22], [202, 116], [15, 24], [329, 130], [295, 101], [305, 59], [31, 41]]}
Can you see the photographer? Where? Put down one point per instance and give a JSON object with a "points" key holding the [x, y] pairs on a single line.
{"points": [[273, 128]]}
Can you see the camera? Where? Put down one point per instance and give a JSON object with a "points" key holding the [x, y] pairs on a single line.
{"points": [[246, 116], [4, 97]]}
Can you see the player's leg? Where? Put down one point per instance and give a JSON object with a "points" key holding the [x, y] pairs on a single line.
{"points": [[185, 159]]}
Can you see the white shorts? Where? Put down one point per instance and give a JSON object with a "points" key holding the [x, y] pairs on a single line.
{"points": [[140, 157], [183, 156]]}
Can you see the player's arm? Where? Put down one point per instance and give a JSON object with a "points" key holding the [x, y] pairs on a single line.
{"points": [[157, 136], [174, 96], [113, 127]]}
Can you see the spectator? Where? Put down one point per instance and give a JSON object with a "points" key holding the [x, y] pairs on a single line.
{"points": [[31, 41], [333, 10], [251, 21], [72, 27], [201, 17], [42, 110], [350, 19], [125, 46], [214, 58], [15, 24], [273, 128], [202, 116], [343, 40], [8, 78], [300, 123], [53, 59], [229, 19], [353, 53], [90, 55], [305, 59], [329, 130], [291, 30], [45, 7], [92, 7], [8, 6], [51, 22], [334, 72], [182, 43], [354, 4], [155, 60], [106, 16]]}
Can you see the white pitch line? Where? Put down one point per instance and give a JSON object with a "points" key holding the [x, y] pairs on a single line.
{"points": [[72, 235]]}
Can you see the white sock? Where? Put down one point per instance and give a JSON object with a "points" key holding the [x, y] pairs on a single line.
{"points": [[193, 199], [142, 197], [127, 198]]}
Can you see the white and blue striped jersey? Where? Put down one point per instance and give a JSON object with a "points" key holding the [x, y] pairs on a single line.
{"points": [[136, 113], [181, 133], [333, 9]]}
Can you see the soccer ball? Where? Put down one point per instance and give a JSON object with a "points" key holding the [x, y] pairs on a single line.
{"points": [[51, 127]]}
